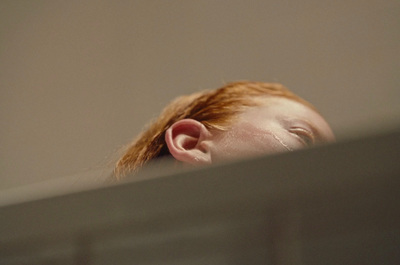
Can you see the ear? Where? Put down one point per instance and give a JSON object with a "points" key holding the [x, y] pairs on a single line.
{"points": [[187, 142]]}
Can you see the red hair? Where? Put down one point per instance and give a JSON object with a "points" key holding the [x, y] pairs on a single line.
{"points": [[215, 109]]}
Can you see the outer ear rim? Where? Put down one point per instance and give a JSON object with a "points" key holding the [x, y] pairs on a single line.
{"points": [[192, 133]]}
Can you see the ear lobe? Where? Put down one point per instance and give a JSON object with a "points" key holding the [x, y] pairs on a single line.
{"points": [[186, 140]]}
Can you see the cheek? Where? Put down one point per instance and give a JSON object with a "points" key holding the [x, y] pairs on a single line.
{"points": [[292, 142], [246, 143], [229, 145], [267, 142]]}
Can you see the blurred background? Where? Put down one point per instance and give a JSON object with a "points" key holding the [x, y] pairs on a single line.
{"points": [[79, 79]]}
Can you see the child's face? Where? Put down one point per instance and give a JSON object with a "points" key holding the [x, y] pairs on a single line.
{"points": [[278, 125]]}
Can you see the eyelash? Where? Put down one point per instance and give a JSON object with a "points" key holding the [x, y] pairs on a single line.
{"points": [[305, 136]]}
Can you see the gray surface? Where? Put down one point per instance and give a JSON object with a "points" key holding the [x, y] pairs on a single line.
{"points": [[336, 204]]}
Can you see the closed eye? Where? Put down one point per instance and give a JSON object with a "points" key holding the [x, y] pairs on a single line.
{"points": [[305, 136]]}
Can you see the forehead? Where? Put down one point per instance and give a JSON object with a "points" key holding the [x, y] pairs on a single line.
{"points": [[273, 105]]}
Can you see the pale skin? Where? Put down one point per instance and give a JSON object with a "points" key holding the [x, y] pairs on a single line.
{"points": [[278, 125]]}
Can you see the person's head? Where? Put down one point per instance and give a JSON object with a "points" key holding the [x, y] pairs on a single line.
{"points": [[239, 119]]}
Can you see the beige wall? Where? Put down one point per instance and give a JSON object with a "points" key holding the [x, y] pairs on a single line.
{"points": [[78, 79]]}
